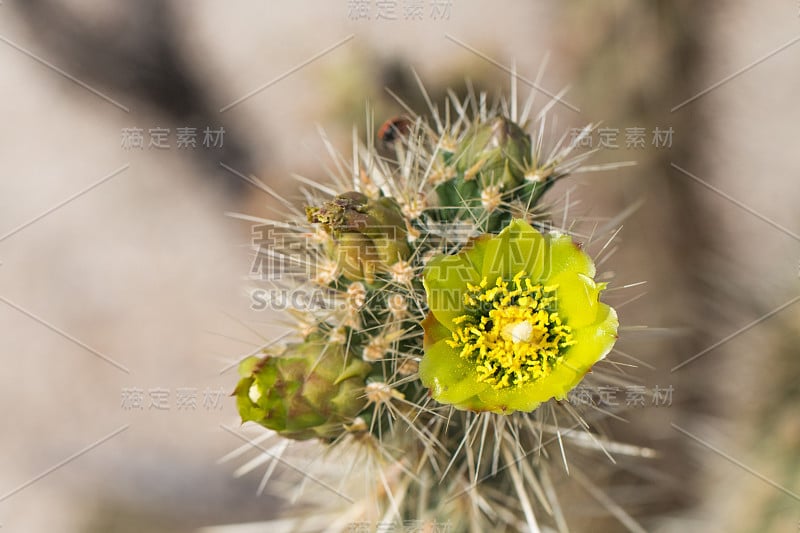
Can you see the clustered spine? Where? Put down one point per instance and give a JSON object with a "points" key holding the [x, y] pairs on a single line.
{"points": [[444, 191]]}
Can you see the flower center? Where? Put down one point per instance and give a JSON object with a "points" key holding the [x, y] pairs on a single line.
{"points": [[511, 331]]}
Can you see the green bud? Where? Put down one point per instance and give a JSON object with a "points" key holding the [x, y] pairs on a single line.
{"points": [[370, 235], [497, 152], [490, 163], [311, 391]]}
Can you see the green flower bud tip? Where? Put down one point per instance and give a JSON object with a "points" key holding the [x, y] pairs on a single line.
{"points": [[498, 151], [489, 168], [370, 235], [312, 391], [515, 320]]}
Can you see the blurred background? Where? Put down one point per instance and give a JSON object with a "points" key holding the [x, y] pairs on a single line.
{"points": [[130, 131]]}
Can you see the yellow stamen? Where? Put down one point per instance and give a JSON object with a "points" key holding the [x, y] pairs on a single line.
{"points": [[520, 339]]}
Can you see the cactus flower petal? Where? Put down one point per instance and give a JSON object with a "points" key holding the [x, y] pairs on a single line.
{"points": [[524, 319]]}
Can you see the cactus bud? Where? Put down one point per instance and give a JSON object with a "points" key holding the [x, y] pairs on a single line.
{"points": [[490, 163], [370, 235], [498, 151], [313, 390]]}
